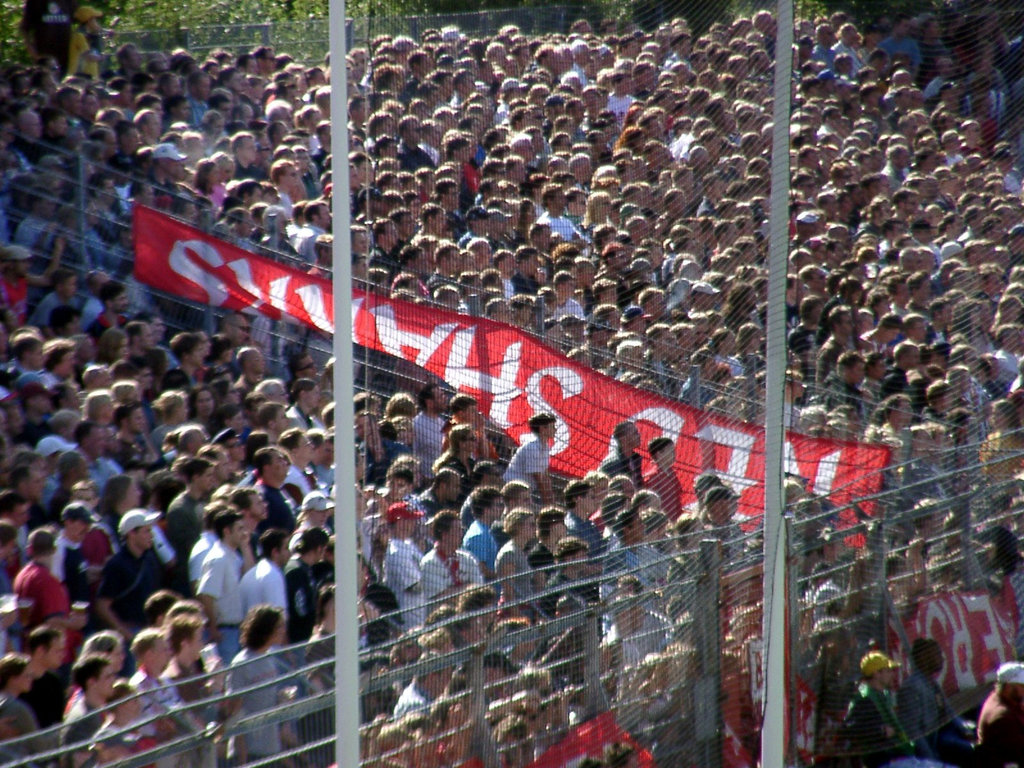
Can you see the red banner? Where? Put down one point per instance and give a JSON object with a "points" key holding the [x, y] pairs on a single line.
{"points": [[510, 372], [976, 632]]}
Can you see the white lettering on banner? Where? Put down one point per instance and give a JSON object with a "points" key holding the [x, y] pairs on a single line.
{"points": [[278, 293], [735, 474], [571, 385], [980, 606], [393, 338], [960, 642], [187, 269], [668, 421], [243, 273], [825, 474], [943, 622], [312, 299], [502, 388]]}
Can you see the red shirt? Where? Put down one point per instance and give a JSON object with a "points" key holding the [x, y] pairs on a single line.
{"points": [[15, 297], [669, 490], [1000, 732], [50, 598]]}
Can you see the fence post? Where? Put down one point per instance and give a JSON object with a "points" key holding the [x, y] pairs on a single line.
{"points": [[80, 198], [538, 316], [205, 223], [793, 553], [694, 393], [595, 701], [481, 740], [707, 706]]}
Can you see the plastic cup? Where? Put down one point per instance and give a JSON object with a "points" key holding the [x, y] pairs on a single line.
{"points": [[211, 659], [25, 605]]}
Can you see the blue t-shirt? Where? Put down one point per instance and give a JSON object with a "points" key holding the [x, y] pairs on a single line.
{"points": [[479, 542], [906, 46]]}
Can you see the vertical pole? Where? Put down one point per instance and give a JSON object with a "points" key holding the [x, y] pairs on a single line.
{"points": [[792, 618], [82, 203], [481, 741], [346, 639], [595, 701], [773, 733], [707, 706]]}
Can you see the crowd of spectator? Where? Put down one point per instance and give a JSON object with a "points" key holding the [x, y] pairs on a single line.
{"points": [[169, 495]]}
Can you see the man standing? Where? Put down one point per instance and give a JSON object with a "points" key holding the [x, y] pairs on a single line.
{"points": [[622, 457], [94, 675], [50, 603], [581, 502], [265, 582], [272, 466], [1001, 723], [530, 461], [185, 515], [46, 648], [130, 576], [447, 568], [663, 479], [301, 585], [402, 572], [428, 426], [875, 731], [219, 585], [487, 505]]}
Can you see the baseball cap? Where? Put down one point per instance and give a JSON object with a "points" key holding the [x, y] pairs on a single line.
{"points": [[476, 213], [87, 13], [33, 389], [612, 248], [1010, 672], [315, 501], [631, 313], [951, 249], [225, 436], [1016, 230], [704, 481], [403, 510], [509, 83], [808, 217], [52, 444], [706, 288], [718, 493], [167, 151], [136, 518], [875, 661], [76, 511], [14, 253]]}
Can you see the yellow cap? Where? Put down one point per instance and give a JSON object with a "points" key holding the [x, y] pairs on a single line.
{"points": [[87, 13], [874, 662]]}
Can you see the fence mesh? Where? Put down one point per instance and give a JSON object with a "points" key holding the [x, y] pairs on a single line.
{"points": [[602, 196]]}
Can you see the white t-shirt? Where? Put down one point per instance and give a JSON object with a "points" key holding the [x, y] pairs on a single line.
{"points": [[426, 440], [403, 575], [220, 579], [620, 106], [263, 583], [531, 458]]}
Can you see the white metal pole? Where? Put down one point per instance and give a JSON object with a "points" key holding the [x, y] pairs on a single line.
{"points": [[773, 736], [346, 686]]}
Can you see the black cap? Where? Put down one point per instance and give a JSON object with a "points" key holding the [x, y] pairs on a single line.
{"points": [[76, 511], [225, 436], [476, 213]]}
